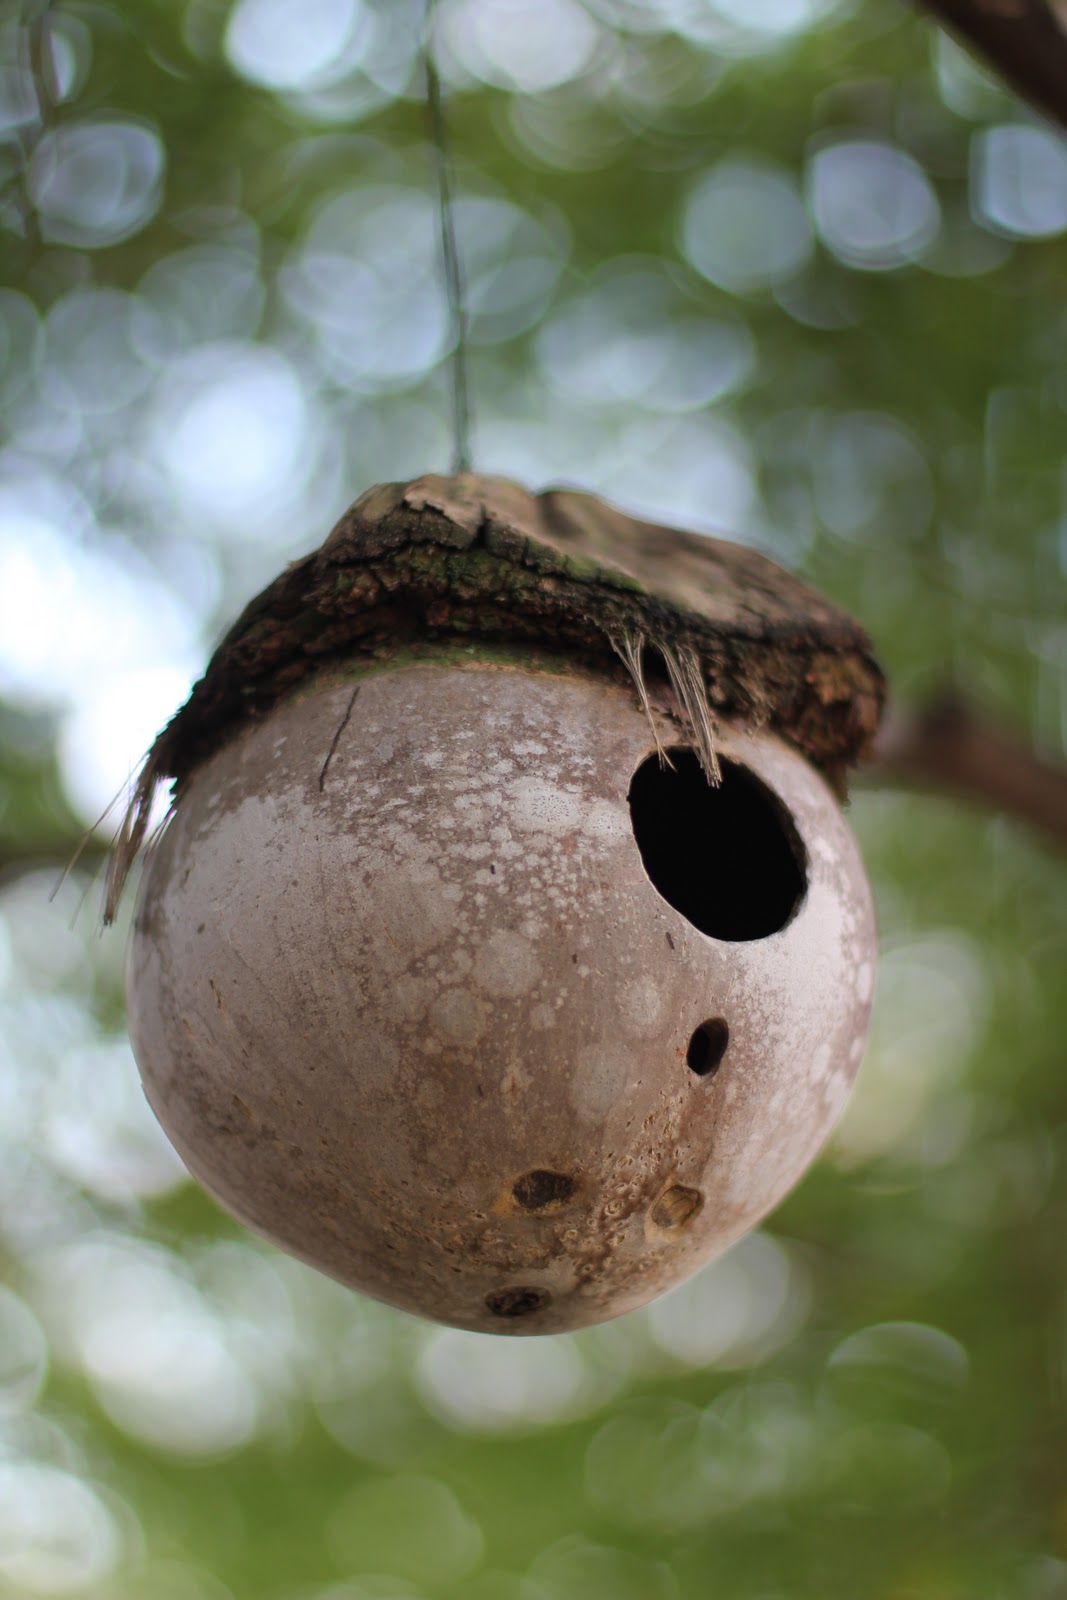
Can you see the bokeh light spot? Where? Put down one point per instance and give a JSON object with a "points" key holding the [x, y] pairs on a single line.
{"points": [[905, 1364], [283, 46], [741, 1307], [204, 293], [1019, 181], [233, 429], [527, 45], [508, 1386], [56, 1534], [97, 182], [744, 227], [93, 361], [873, 205], [366, 285], [626, 342], [153, 1348], [100, 1130]]}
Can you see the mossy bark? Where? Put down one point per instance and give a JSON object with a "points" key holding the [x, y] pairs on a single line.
{"points": [[713, 629]]}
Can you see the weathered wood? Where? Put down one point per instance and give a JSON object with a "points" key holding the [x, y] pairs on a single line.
{"points": [[717, 630]]}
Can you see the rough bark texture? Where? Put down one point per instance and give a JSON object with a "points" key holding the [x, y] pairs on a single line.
{"points": [[727, 634]]}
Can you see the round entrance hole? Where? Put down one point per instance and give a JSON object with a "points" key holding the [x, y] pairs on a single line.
{"points": [[727, 855]]}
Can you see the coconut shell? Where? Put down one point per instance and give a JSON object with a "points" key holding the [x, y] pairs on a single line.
{"points": [[421, 1004]]}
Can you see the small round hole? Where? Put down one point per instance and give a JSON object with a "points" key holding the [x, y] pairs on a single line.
{"points": [[541, 1189], [517, 1302], [708, 1046]]}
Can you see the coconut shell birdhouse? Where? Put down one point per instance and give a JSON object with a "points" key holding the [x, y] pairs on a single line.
{"points": [[506, 955]]}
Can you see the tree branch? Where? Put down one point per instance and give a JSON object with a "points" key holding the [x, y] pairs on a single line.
{"points": [[946, 746], [1025, 41]]}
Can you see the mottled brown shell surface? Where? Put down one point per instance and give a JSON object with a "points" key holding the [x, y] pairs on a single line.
{"points": [[418, 1013]]}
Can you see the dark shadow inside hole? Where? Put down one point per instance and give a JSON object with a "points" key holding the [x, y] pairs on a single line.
{"points": [[517, 1302], [708, 1046], [727, 856], [539, 1189]]}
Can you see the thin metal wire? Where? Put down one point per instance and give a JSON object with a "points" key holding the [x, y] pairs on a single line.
{"points": [[459, 363]]}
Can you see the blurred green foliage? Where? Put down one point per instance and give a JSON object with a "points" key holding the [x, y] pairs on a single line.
{"points": [[794, 270]]}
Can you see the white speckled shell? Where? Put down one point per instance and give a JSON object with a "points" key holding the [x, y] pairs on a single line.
{"points": [[363, 1010]]}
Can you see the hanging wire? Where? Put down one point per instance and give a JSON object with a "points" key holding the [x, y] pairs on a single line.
{"points": [[459, 363]]}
